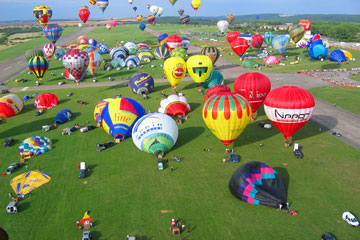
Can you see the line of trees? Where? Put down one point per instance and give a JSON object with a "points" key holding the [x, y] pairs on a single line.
{"points": [[6, 32]]}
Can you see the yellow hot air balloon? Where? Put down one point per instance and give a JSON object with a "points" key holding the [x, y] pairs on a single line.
{"points": [[92, 2], [199, 67], [175, 70], [226, 115], [196, 4], [42, 14]]}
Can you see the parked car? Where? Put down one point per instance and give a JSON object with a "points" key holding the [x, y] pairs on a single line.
{"points": [[4, 91], [297, 152], [87, 235], [350, 219], [11, 207], [82, 170], [12, 168]]}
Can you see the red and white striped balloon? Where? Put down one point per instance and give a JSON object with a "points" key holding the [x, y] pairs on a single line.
{"points": [[76, 62]]}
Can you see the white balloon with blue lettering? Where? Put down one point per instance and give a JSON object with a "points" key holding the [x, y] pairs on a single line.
{"points": [[155, 133]]}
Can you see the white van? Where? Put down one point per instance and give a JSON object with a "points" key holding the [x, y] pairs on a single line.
{"points": [[11, 207], [82, 170]]}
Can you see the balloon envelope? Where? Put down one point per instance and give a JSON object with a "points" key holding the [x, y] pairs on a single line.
{"points": [[10, 105], [231, 36], [215, 78], [28, 181], [46, 101], [155, 133], [199, 67], [239, 46], [280, 43], [223, 25], [38, 66], [76, 61], [174, 105], [216, 89], [52, 32], [212, 52], [162, 52], [141, 83], [175, 70], [34, 146], [257, 183], [84, 14]]}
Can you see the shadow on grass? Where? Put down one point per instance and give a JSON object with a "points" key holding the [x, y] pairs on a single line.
{"points": [[26, 128], [27, 108], [190, 86], [330, 66], [23, 206], [158, 88], [63, 101], [194, 106], [284, 176], [91, 167], [96, 235], [188, 134]]}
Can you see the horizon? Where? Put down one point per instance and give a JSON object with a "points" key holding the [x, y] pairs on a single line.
{"points": [[21, 10]]}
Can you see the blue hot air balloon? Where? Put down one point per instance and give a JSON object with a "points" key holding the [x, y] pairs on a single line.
{"points": [[268, 37], [141, 83], [185, 43], [104, 49], [92, 42], [142, 26], [337, 56], [162, 38], [317, 50], [215, 78], [52, 32], [280, 43], [63, 116]]}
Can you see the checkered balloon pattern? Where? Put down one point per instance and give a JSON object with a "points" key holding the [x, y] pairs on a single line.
{"points": [[76, 62]]}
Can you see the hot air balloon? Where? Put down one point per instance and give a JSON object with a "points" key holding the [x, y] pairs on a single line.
{"points": [[131, 47], [155, 133], [34, 146], [148, 6], [76, 62], [199, 67], [239, 46], [172, 2], [42, 14], [175, 70], [162, 38], [296, 32], [98, 110], [257, 183], [82, 40], [160, 11], [185, 19], [280, 43], [131, 1], [92, 2], [216, 89], [141, 83], [215, 78], [139, 17], [181, 12], [302, 44], [63, 116], [222, 25], [94, 62], [337, 56], [271, 60], [142, 26], [104, 49], [59, 53], [195, 4], [144, 54], [119, 117], [38, 66], [68, 75], [80, 25], [348, 54], [102, 4], [230, 18], [151, 19], [132, 61], [226, 115], [162, 52], [142, 45], [268, 36], [28, 181], [174, 105], [84, 14], [118, 53], [46, 101], [49, 50], [92, 42], [154, 10], [247, 37], [289, 108], [212, 52], [318, 50], [306, 24], [231, 36], [33, 53], [179, 52], [134, 8], [173, 41], [52, 32], [185, 43], [257, 41], [114, 23], [254, 87], [10, 105], [108, 26]]}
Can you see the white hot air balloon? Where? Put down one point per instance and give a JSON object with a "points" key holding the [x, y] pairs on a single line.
{"points": [[131, 1], [160, 11], [80, 25], [174, 105], [155, 133], [223, 25], [154, 10]]}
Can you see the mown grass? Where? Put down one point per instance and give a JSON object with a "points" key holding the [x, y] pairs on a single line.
{"points": [[125, 192], [344, 97]]}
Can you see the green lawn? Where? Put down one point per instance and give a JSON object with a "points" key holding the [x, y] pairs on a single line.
{"points": [[126, 193], [356, 77], [22, 47], [344, 97]]}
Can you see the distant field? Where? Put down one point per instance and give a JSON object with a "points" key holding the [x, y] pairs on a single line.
{"points": [[126, 194], [344, 97], [20, 48]]}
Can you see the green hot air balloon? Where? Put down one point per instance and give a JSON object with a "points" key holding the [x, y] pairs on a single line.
{"points": [[30, 53], [296, 32], [179, 52]]}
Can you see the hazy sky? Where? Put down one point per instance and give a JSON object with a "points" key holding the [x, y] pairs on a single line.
{"points": [[65, 9]]}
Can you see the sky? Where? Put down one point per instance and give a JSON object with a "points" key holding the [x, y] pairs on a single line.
{"points": [[68, 9]]}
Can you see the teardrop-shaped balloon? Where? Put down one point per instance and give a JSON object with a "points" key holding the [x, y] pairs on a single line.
{"points": [[175, 70], [199, 67]]}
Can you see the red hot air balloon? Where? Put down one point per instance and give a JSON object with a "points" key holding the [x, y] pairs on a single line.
{"points": [[306, 24], [84, 14], [257, 41], [45, 101], [215, 90], [231, 36], [76, 62], [174, 41], [289, 108], [239, 46], [254, 87]]}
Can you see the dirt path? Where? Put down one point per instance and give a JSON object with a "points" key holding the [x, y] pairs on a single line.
{"points": [[14, 66]]}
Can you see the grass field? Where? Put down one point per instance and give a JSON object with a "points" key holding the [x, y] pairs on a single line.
{"points": [[356, 77], [346, 98], [125, 193], [22, 47]]}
